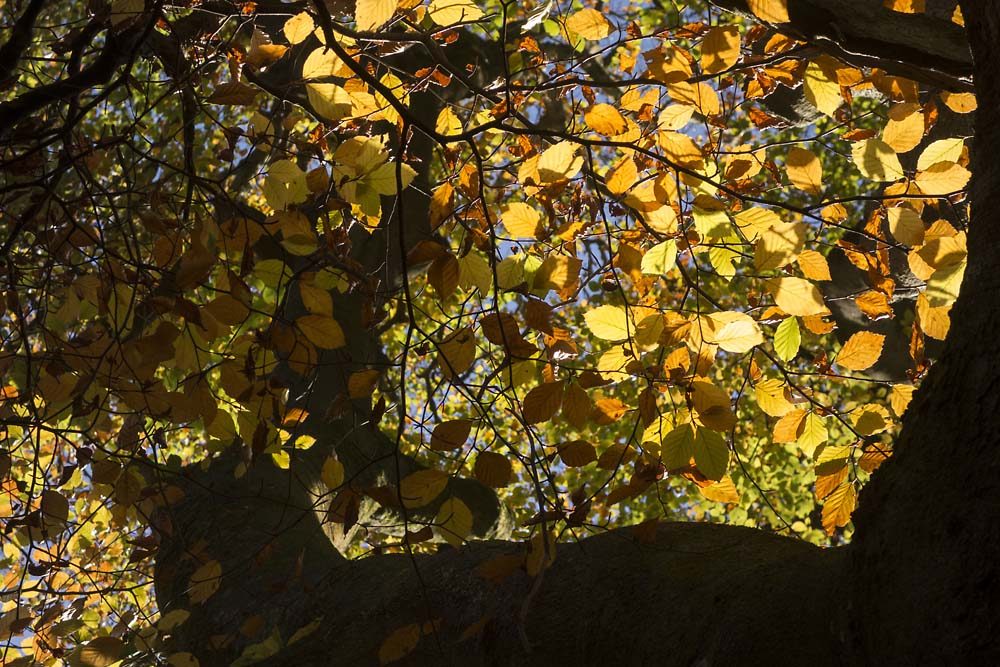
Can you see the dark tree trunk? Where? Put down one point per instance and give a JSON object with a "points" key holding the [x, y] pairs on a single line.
{"points": [[918, 585]]}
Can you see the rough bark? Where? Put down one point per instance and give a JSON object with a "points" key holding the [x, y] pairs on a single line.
{"points": [[917, 586]]}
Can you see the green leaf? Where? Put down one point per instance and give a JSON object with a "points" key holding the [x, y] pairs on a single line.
{"points": [[787, 339], [711, 453]]}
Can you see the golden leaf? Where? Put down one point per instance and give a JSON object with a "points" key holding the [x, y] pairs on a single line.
{"points": [[720, 48], [605, 119], [804, 170], [861, 351], [422, 487], [609, 322], [796, 296], [454, 521], [838, 507], [372, 14], [589, 24], [772, 11], [322, 331]]}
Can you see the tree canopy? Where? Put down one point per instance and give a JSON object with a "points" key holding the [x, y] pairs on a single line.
{"points": [[315, 304]]}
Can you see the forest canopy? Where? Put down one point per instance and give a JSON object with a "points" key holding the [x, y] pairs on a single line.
{"points": [[410, 275]]}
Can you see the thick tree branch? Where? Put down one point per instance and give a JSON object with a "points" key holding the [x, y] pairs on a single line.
{"points": [[926, 47]]}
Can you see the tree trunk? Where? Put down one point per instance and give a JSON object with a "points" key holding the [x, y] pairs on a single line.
{"points": [[918, 585]]}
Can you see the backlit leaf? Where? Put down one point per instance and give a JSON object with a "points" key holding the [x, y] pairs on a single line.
{"points": [[861, 351], [609, 323], [589, 24], [796, 296]]}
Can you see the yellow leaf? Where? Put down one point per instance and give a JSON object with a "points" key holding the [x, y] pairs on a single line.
{"points": [[821, 85], [813, 433], [609, 323], [674, 117], [298, 28], [699, 95], [905, 128], [814, 265], [779, 245], [720, 48], [372, 14], [315, 299], [960, 102], [332, 473], [329, 100], [733, 332], [804, 170], [723, 491], [422, 487], [456, 353], [942, 150], [448, 123], [900, 397], [361, 384], [320, 63], [454, 521], [559, 162], [521, 220], [861, 351], [660, 259], [622, 177], [755, 221], [558, 272], [605, 119], [98, 652], [205, 581], [541, 403], [934, 321], [589, 24], [796, 296], [870, 419], [905, 225], [322, 331], [713, 406], [773, 397], [450, 12], [772, 11], [876, 160], [838, 507], [943, 178], [285, 185]]}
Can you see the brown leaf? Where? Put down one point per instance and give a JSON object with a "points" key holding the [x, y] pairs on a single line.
{"points": [[577, 453], [233, 93], [542, 402], [493, 469], [451, 435]]}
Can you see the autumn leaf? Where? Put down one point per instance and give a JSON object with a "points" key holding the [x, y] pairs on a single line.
{"points": [[589, 24], [609, 323], [861, 351]]}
